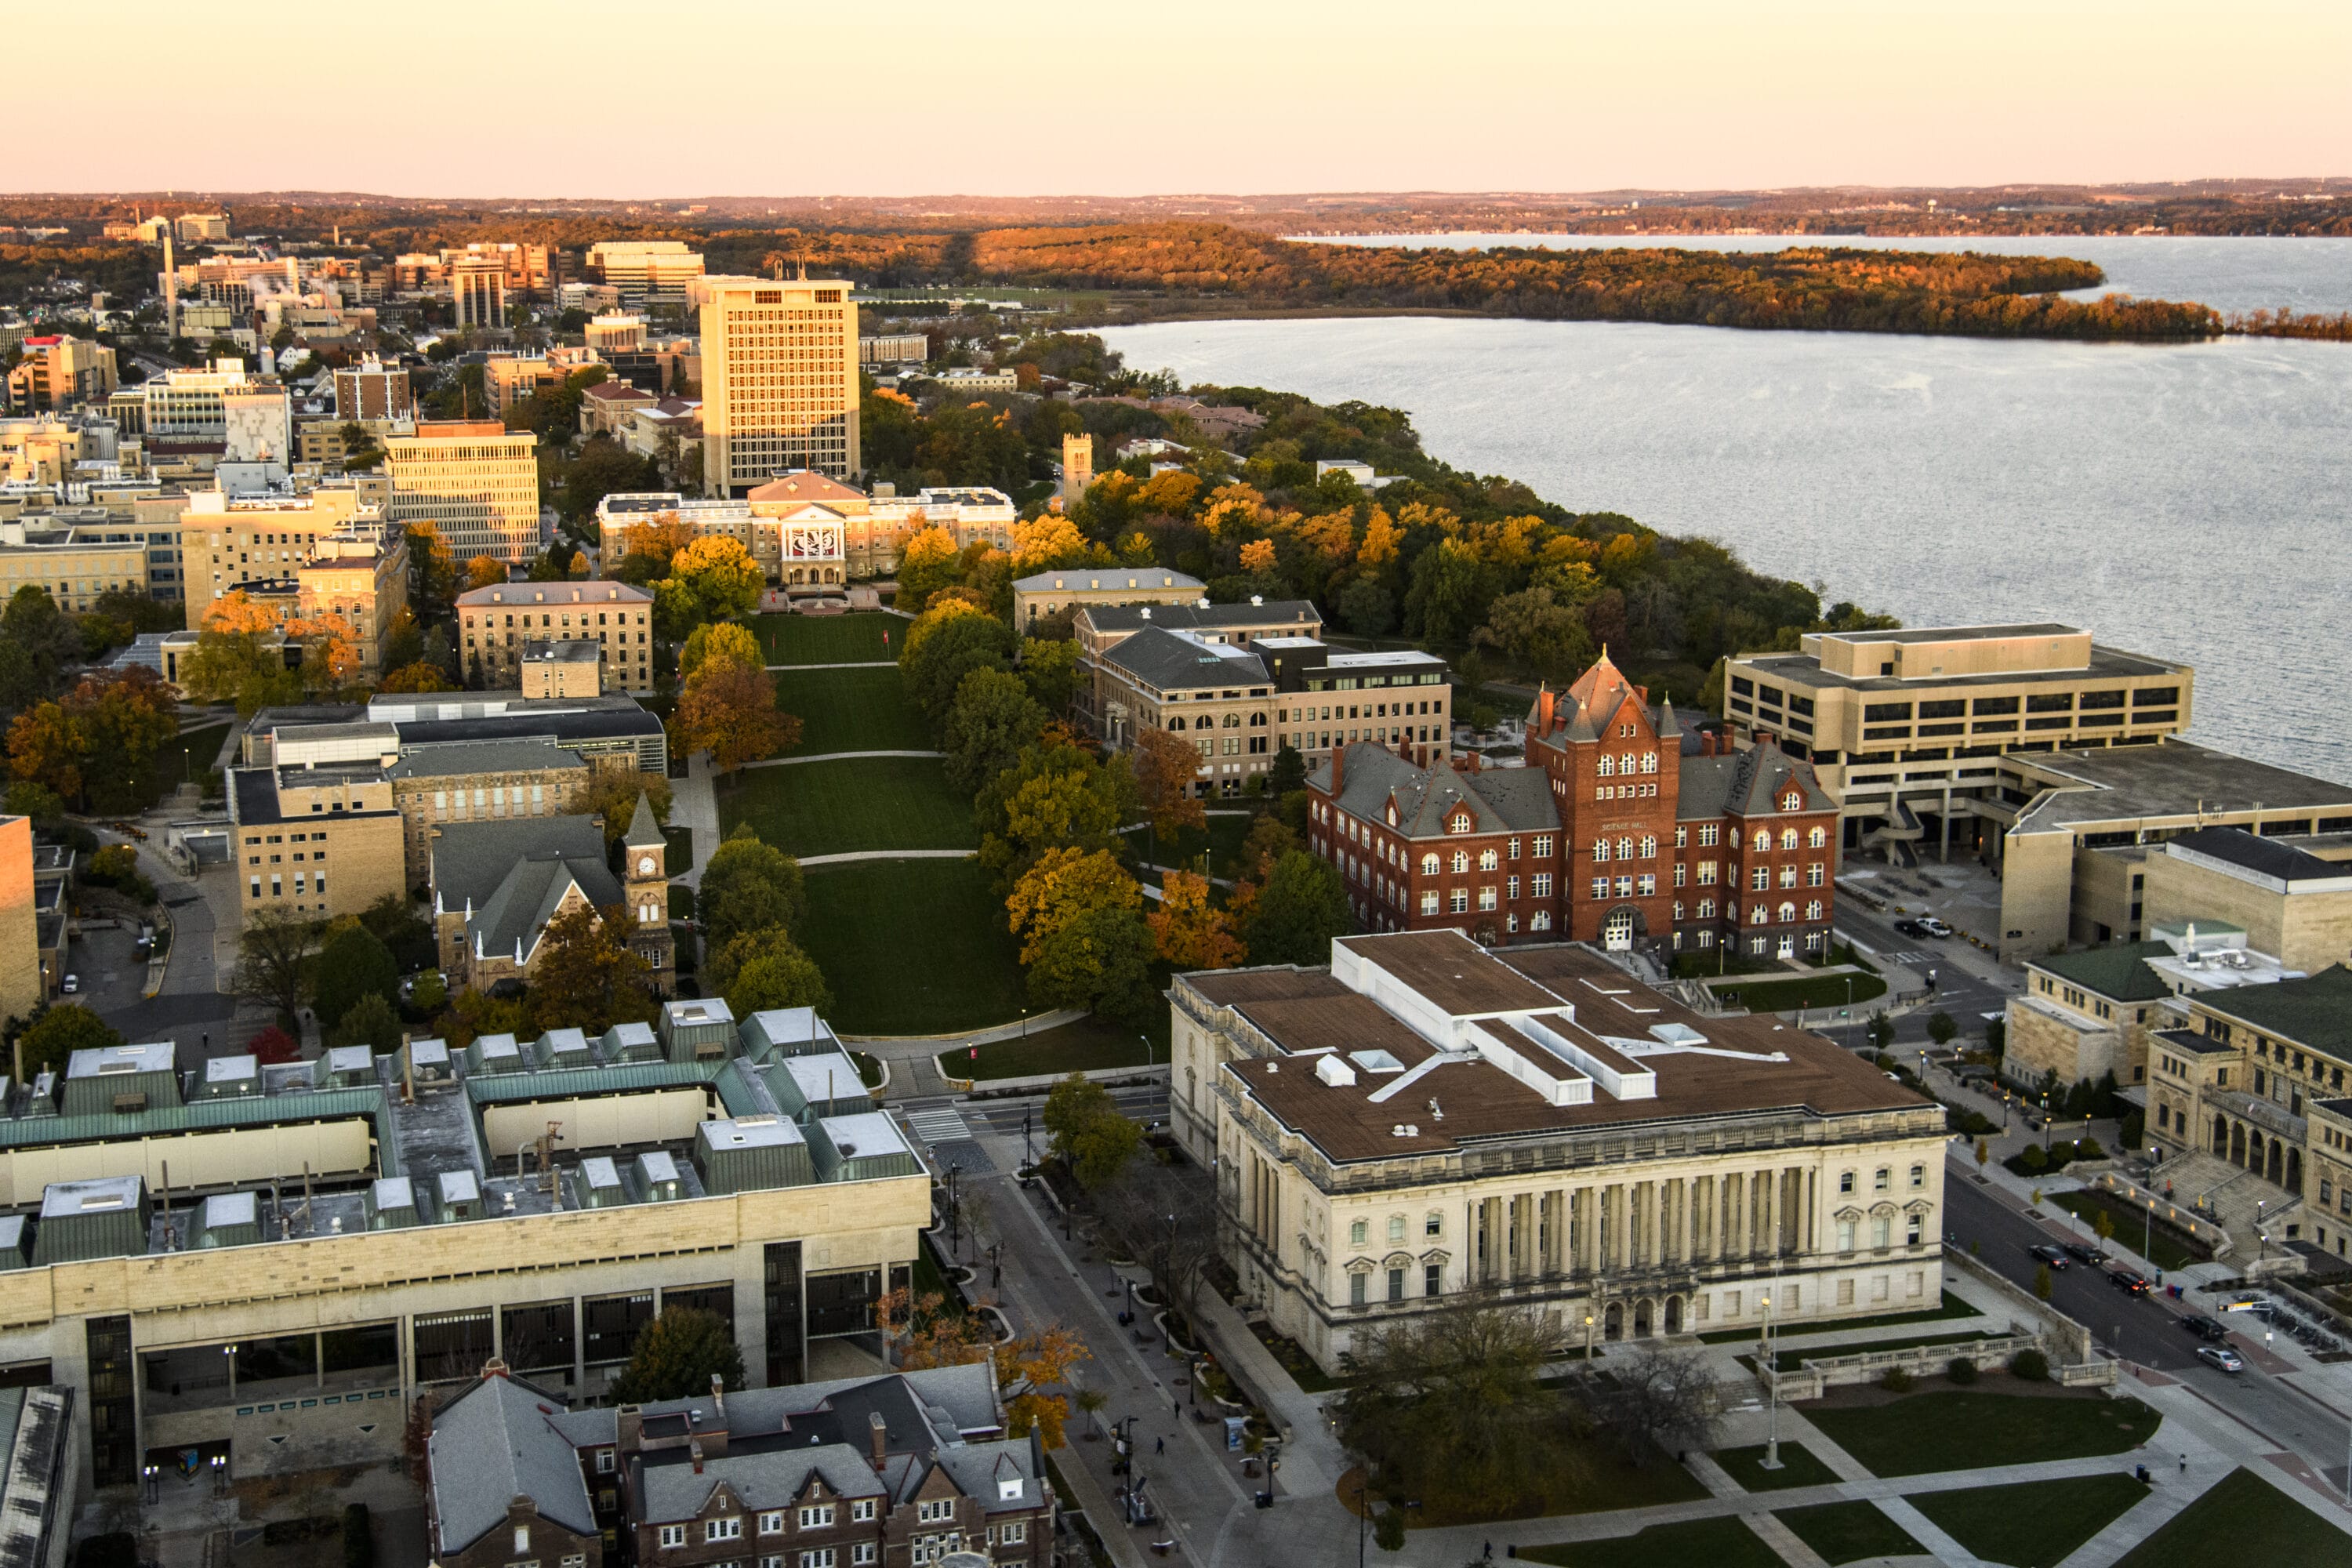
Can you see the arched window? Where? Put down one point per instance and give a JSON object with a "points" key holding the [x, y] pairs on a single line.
{"points": [[1813, 910], [1792, 801], [1257, 721], [1787, 913], [1649, 846], [1758, 914], [1629, 764], [1763, 840], [1393, 813], [1817, 837], [1649, 761], [1232, 721], [1600, 849], [1788, 839], [1461, 860], [1608, 765], [1488, 861], [1624, 849], [1429, 865], [1176, 721]]}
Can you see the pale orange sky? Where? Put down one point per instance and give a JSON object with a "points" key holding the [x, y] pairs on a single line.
{"points": [[738, 97]]}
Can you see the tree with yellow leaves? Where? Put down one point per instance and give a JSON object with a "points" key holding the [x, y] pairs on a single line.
{"points": [[1062, 885], [1257, 557], [929, 562], [718, 576], [1046, 542], [330, 649], [929, 621], [1192, 933], [1026, 1368], [720, 642], [484, 571], [1382, 540]]}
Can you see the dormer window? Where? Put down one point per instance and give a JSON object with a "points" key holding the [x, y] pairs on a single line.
{"points": [[1393, 813], [1461, 823], [1792, 801]]}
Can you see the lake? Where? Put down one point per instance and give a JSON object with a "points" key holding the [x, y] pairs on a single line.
{"points": [[2189, 502]]}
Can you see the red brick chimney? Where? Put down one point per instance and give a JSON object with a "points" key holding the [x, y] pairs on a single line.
{"points": [[1545, 709], [1477, 762], [879, 1432], [694, 1449]]}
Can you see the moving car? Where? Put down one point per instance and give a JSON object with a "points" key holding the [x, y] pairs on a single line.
{"points": [[2205, 1328], [2128, 1282], [1910, 928], [2054, 1257], [1933, 926], [72, 983], [2082, 1253], [2221, 1356]]}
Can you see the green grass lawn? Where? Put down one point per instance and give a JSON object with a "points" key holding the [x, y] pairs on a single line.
{"points": [[828, 640], [186, 757], [851, 711], [1695, 1543], [912, 947], [867, 802], [2169, 1249], [2244, 1518], [1586, 1475], [1799, 1467], [1953, 1307], [1956, 1430], [1845, 1532], [1808, 991], [2032, 1523], [1085, 1046], [869, 1069]]}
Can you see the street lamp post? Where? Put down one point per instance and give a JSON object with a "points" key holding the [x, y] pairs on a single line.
{"points": [[1772, 1387]]}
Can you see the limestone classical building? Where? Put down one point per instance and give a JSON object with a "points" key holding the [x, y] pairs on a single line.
{"points": [[1426, 1118], [475, 480], [780, 380], [802, 529], [1078, 466], [608, 731], [1049, 592], [73, 566], [337, 1236], [497, 624], [361, 577], [561, 669], [2290, 895]]}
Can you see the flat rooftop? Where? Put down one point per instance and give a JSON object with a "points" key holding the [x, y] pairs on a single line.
{"points": [[2105, 664], [2169, 780], [1958, 633]]}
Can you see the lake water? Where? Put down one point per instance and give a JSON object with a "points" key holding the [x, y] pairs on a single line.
{"points": [[2191, 502]]}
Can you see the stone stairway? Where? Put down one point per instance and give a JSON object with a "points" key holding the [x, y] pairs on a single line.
{"points": [[2213, 1191]]}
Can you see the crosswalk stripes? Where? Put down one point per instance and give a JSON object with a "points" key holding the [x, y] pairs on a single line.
{"points": [[939, 1124]]}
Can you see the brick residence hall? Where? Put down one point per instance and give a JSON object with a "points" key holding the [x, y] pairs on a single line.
{"points": [[1621, 828]]}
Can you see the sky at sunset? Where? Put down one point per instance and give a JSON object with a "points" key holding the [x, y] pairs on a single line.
{"points": [[776, 97]]}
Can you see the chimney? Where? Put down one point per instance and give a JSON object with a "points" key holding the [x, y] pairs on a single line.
{"points": [[694, 1448], [1477, 762], [628, 1428], [879, 1431], [718, 1395], [1545, 705], [1338, 767]]}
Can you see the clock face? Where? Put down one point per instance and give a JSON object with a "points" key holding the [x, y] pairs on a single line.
{"points": [[646, 865]]}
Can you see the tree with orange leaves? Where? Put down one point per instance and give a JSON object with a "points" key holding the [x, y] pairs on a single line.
{"points": [[1192, 933], [1165, 766], [238, 613], [1257, 557], [1062, 885], [729, 711], [1027, 1367], [330, 649]]}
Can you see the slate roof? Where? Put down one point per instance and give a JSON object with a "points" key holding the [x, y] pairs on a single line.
{"points": [[491, 1444], [2264, 857], [1501, 801], [1170, 661], [2315, 1011], [1748, 782], [643, 829], [1114, 579], [457, 758], [517, 872], [2118, 973], [1185, 618], [774, 1478]]}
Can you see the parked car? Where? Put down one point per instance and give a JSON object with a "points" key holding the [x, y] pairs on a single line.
{"points": [[2054, 1257], [2082, 1253], [2223, 1357], [1933, 926], [2205, 1328], [1910, 928], [2128, 1282], [70, 984]]}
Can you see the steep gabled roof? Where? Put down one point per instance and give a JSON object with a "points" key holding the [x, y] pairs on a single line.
{"points": [[644, 831], [1502, 801], [493, 1443]]}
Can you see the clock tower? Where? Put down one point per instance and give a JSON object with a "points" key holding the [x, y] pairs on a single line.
{"points": [[645, 883]]}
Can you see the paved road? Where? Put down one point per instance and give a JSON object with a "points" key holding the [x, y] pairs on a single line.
{"points": [[2147, 1330], [1966, 995]]}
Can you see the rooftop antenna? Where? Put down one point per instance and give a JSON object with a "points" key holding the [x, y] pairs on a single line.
{"points": [[170, 1235]]}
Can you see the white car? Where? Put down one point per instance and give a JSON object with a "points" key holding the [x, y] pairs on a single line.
{"points": [[2223, 1357], [70, 984], [1933, 926]]}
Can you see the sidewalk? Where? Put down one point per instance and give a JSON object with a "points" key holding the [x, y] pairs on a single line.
{"points": [[694, 804]]}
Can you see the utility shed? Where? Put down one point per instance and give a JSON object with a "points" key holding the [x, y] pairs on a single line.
{"points": [[429, 1060], [787, 1032], [597, 1183], [122, 1077], [230, 1219], [231, 1076], [461, 1196], [657, 1178], [492, 1054], [827, 1084], [698, 1031], [750, 1154], [563, 1048], [861, 1148], [106, 1217], [351, 1066], [630, 1043], [15, 1242], [392, 1204]]}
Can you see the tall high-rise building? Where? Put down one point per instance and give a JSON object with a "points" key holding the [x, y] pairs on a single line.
{"points": [[645, 271], [371, 390], [477, 290], [59, 372], [780, 380], [475, 480]]}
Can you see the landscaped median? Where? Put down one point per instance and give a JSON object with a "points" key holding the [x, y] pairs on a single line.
{"points": [[1090, 1045]]}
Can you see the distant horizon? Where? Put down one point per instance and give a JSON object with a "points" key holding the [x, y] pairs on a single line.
{"points": [[1233, 95]]}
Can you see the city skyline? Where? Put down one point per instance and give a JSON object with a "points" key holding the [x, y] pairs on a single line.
{"points": [[1305, 98]]}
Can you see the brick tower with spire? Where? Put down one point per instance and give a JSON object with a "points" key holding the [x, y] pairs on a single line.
{"points": [[1615, 779]]}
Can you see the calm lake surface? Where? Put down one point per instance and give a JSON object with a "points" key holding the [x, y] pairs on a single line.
{"points": [[2191, 502]]}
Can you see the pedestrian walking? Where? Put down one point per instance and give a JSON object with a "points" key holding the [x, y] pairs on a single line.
{"points": [[2184, 1463], [1161, 1446]]}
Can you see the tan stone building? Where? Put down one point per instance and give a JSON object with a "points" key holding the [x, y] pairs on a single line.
{"points": [[1426, 1118], [780, 380], [1048, 593], [21, 983], [798, 529], [361, 577], [497, 623], [59, 373], [340, 1236], [2292, 895], [1904, 728], [475, 480], [71, 566], [561, 669], [294, 826], [227, 542], [477, 781]]}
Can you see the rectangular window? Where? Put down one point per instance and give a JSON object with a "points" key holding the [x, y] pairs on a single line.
{"points": [[772, 1522], [818, 1516], [729, 1529], [673, 1535]]}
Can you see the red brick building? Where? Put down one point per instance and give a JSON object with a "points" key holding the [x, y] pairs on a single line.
{"points": [[1613, 832]]}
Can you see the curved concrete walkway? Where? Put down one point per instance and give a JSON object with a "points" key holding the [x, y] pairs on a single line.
{"points": [[837, 757], [887, 854]]}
